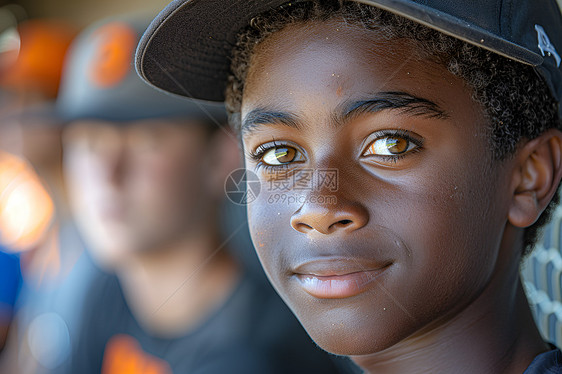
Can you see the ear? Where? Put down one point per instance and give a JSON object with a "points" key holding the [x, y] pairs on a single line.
{"points": [[536, 178]]}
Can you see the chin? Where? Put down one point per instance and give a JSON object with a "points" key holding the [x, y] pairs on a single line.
{"points": [[353, 330], [110, 256], [342, 340]]}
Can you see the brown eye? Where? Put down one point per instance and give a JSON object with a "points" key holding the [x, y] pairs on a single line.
{"points": [[397, 145], [389, 146], [280, 155]]}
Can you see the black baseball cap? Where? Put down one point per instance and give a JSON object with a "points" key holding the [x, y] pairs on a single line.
{"points": [[186, 49], [99, 80]]}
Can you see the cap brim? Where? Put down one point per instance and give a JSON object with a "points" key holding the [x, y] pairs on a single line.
{"points": [[186, 49]]}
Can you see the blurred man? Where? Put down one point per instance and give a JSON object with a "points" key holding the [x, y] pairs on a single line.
{"points": [[145, 174]]}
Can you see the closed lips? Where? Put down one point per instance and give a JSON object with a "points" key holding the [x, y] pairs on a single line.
{"points": [[336, 279]]}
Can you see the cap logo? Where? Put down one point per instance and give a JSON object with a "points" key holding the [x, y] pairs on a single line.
{"points": [[113, 56], [546, 46]]}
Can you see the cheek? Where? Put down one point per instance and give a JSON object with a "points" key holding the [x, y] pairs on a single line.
{"points": [[85, 179], [260, 221], [453, 230], [162, 176], [269, 223]]}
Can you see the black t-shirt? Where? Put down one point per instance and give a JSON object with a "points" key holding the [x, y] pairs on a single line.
{"points": [[253, 332]]}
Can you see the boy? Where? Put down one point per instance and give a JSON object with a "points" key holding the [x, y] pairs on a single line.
{"points": [[145, 174], [445, 152]]}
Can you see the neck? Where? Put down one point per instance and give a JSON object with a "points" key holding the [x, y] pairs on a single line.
{"points": [[172, 290], [494, 334]]}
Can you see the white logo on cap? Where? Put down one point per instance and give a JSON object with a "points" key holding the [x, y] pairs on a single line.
{"points": [[546, 46]]}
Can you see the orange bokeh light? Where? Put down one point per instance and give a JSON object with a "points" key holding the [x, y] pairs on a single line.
{"points": [[26, 209]]}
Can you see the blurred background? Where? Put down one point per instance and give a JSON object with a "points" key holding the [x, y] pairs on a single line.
{"points": [[44, 270], [27, 211], [84, 12]]}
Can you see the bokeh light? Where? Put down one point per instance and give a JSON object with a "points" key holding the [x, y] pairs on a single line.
{"points": [[26, 209]]}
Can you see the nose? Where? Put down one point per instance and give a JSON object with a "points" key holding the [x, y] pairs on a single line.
{"points": [[342, 216], [115, 168]]}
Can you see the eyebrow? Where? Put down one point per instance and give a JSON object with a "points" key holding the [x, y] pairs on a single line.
{"points": [[404, 102], [259, 117], [392, 100]]}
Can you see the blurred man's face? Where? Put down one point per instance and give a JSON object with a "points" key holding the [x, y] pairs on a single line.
{"points": [[136, 187]]}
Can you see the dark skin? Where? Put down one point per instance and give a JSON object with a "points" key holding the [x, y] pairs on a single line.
{"points": [[411, 264]]}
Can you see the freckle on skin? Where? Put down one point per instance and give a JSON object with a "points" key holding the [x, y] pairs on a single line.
{"points": [[339, 91]]}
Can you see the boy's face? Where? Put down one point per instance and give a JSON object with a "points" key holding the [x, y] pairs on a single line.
{"points": [[412, 231], [137, 187]]}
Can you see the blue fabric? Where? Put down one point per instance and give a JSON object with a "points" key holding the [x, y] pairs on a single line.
{"points": [[10, 278], [546, 363]]}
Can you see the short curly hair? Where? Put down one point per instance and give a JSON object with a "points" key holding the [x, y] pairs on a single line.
{"points": [[516, 100]]}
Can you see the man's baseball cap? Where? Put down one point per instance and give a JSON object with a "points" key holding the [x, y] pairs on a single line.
{"points": [[186, 50], [99, 80]]}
